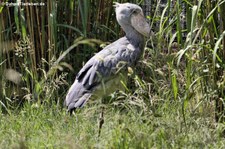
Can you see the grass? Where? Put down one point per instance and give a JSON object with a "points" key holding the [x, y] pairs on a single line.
{"points": [[40, 126]]}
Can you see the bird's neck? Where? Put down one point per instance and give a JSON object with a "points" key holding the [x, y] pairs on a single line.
{"points": [[133, 36]]}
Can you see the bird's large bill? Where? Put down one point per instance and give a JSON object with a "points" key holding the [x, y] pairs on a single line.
{"points": [[140, 24]]}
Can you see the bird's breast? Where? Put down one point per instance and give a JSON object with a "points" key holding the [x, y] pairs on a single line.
{"points": [[106, 87]]}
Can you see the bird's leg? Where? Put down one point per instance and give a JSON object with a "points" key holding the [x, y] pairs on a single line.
{"points": [[101, 116], [101, 120]]}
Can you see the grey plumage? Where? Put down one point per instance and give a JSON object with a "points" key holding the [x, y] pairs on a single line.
{"points": [[101, 74]]}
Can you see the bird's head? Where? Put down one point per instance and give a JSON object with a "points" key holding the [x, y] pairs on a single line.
{"points": [[128, 14]]}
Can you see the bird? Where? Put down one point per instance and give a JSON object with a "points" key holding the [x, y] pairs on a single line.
{"points": [[102, 74]]}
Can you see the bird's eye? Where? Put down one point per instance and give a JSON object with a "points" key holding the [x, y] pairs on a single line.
{"points": [[128, 7]]}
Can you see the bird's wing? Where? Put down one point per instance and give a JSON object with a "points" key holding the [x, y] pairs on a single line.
{"points": [[104, 64], [101, 68]]}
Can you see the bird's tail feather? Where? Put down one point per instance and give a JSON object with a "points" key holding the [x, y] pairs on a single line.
{"points": [[79, 102]]}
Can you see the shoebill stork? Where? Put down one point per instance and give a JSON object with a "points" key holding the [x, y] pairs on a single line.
{"points": [[101, 75]]}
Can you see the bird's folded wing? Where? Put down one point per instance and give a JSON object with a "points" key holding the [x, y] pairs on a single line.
{"points": [[103, 66]]}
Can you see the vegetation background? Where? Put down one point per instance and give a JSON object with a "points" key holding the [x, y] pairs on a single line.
{"points": [[175, 97]]}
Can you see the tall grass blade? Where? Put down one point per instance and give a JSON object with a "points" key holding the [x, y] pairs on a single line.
{"points": [[188, 7], [178, 23], [174, 84], [79, 41], [23, 24], [72, 28], [217, 46], [1, 8], [163, 20], [193, 21], [84, 8], [16, 17]]}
